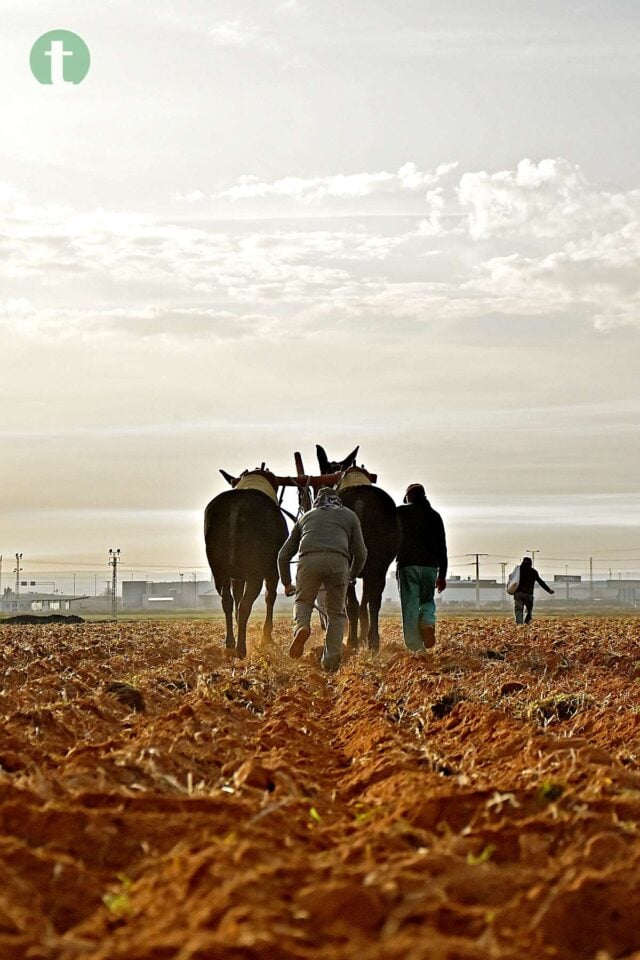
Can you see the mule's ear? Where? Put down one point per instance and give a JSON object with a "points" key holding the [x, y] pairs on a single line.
{"points": [[350, 461], [230, 480], [323, 459]]}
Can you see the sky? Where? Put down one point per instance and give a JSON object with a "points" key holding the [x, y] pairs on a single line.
{"points": [[256, 226]]}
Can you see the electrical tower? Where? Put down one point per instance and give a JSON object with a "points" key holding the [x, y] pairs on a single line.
{"points": [[18, 571], [114, 560], [503, 595]]}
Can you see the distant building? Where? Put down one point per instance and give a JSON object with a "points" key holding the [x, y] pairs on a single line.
{"points": [[169, 595], [32, 602], [623, 593], [462, 593], [569, 591]]}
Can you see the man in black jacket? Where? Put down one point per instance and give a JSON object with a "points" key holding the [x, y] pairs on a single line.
{"points": [[422, 567], [523, 597]]}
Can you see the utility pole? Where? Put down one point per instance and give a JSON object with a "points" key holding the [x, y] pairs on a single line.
{"points": [[114, 560], [533, 556], [477, 560], [504, 582], [74, 584], [17, 572], [591, 579]]}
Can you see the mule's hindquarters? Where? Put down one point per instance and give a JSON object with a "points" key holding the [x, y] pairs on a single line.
{"points": [[376, 511], [244, 530]]}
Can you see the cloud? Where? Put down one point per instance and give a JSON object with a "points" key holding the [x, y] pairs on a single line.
{"points": [[172, 324], [536, 241], [62, 247], [242, 34], [298, 62], [597, 276], [192, 196], [408, 178], [551, 199]]}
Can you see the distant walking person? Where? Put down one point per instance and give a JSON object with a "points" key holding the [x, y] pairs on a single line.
{"points": [[422, 567], [332, 552], [523, 597]]}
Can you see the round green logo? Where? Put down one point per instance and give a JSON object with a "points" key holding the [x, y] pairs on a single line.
{"points": [[60, 57]]}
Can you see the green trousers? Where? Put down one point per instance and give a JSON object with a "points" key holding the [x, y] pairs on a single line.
{"points": [[416, 586]]}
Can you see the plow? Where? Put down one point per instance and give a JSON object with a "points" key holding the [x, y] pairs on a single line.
{"points": [[245, 529]]}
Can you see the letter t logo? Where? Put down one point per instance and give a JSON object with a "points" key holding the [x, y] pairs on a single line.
{"points": [[57, 53], [60, 58]]}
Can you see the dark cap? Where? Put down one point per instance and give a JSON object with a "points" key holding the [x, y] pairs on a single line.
{"points": [[414, 493]]}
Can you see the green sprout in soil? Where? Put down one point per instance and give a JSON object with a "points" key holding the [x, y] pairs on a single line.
{"points": [[482, 857], [549, 792], [118, 902]]}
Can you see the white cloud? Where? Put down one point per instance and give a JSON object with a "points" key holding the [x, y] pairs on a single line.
{"points": [[408, 178], [297, 63], [10, 195], [551, 199], [242, 34], [539, 240], [597, 276], [62, 247], [192, 196], [21, 316]]}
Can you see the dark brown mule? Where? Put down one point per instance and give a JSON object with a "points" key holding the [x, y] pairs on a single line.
{"points": [[376, 511], [243, 532]]}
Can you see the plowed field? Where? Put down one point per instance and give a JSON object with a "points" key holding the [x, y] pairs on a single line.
{"points": [[479, 802]]}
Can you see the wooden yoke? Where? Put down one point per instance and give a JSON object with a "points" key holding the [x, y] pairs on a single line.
{"points": [[300, 481], [323, 480]]}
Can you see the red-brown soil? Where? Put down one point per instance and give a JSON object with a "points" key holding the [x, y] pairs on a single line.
{"points": [[479, 802]]}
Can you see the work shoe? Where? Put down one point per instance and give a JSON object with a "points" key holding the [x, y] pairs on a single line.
{"points": [[428, 634], [300, 637], [331, 666]]}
